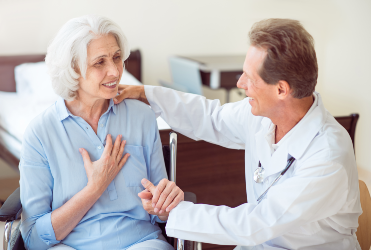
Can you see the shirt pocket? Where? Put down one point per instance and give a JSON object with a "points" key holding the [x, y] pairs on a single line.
{"points": [[135, 169]]}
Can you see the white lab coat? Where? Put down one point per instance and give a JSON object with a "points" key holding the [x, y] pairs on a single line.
{"points": [[315, 205]]}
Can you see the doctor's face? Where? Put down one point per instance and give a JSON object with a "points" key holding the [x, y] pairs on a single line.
{"points": [[262, 96]]}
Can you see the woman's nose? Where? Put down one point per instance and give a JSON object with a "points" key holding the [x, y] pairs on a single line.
{"points": [[112, 69]]}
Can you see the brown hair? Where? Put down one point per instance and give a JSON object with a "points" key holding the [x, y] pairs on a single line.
{"points": [[290, 54]]}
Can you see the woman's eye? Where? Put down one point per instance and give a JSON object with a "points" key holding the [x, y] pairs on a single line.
{"points": [[99, 63], [117, 57]]}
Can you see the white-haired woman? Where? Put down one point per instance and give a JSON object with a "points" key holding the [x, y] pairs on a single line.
{"points": [[91, 202]]}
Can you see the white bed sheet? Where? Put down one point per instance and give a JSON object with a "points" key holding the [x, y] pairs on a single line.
{"points": [[17, 111]]}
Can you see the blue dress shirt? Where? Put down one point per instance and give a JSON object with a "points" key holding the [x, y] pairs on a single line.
{"points": [[52, 172]]}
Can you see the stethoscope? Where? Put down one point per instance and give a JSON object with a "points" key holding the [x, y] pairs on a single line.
{"points": [[259, 176]]}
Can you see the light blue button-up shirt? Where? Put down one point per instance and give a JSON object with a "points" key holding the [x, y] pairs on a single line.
{"points": [[52, 172]]}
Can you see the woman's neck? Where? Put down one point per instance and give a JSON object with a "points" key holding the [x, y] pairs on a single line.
{"points": [[88, 109]]}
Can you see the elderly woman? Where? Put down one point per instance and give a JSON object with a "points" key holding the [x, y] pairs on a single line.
{"points": [[91, 202]]}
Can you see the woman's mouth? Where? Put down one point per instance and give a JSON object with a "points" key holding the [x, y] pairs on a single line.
{"points": [[110, 85], [251, 100]]}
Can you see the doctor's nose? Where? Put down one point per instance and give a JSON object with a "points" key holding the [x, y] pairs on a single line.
{"points": [[242, 82]]}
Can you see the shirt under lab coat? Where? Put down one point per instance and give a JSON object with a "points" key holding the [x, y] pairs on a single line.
{"points": [[315, 205]]}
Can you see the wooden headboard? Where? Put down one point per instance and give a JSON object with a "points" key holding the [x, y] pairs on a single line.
{"points": [[7, 63]]}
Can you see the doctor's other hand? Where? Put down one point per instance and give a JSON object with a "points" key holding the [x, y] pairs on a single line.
{"points": [[162, 199], [100, 173], [131, 92]]}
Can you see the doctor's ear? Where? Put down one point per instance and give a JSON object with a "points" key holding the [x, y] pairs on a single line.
{"points": [[283, 89]]}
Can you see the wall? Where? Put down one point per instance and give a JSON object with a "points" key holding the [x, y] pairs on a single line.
{"points": [[341, 29]]}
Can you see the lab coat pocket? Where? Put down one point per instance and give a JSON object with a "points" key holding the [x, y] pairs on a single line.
{"points": [[135, 169], [308, 229]]}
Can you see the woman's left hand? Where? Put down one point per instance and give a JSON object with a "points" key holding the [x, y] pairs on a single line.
{"points": [[162, 199]]}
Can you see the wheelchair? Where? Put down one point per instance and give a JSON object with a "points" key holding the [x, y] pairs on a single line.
{"points": [[12, 208]]}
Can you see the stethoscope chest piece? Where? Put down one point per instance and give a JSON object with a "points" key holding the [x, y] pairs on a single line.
{"points": [[259, 174]]}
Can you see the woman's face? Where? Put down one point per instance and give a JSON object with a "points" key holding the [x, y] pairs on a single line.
{"points": [[104, 69]]}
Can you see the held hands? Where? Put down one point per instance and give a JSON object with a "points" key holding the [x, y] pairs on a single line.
{"points": [[162, 199], [101, 172], [131, 92]]}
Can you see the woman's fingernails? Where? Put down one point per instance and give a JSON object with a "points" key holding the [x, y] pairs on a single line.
{"points": [[156, 210], [167, 209], [114, 100], [161, 212], [153, 204]]}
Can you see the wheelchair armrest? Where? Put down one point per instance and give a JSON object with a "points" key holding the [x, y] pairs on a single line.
{"points": [[188, 196], [12, 208]]}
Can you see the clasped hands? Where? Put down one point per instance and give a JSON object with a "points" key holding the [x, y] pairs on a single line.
{"points": [[161, 199]]}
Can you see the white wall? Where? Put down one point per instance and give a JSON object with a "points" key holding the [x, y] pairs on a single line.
{"points": [[341, 29]]}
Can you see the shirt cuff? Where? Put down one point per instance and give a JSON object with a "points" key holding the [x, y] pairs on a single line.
{"points": [[159, 220], [45, 229]]}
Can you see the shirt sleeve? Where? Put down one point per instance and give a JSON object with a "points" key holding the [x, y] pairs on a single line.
{"points": [[36, 185], [199, 118], [318, 190]]}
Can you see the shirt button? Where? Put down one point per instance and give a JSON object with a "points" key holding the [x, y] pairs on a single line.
{"points": [[87, 128], [101, 125], [99, 147]]}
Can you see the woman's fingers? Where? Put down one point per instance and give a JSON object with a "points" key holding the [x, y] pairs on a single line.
{"points": [[145, 195], [176, 201], [121, 151], [160, 187], [85, 156], [108, 147], [116, 147], [123, 161], [164, 194]]}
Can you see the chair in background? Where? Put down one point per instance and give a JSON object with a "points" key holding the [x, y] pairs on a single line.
{"points": [[349, 123], [12, 208], [364, 229], [185, 75]]}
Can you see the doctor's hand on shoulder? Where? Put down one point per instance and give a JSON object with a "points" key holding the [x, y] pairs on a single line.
{"points": [[131, 92], [161, 199]]}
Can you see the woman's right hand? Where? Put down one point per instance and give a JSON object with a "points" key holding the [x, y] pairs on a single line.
{"points": [[102, 172]]}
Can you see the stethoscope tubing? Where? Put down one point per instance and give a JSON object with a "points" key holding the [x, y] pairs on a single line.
{"points": [[289, 163]]}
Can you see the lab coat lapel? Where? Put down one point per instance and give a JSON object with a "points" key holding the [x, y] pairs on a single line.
{"points": [[304, 132], [262, 146], [278, 160], [307, 129]]}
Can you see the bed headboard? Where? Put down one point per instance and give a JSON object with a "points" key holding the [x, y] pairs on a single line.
{"points": [[7, 64]]}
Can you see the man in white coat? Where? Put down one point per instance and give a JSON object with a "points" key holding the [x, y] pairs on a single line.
{"points": [[316, 203]]}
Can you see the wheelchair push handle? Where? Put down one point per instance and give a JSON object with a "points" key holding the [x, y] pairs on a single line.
{"points": [[173, 149]]}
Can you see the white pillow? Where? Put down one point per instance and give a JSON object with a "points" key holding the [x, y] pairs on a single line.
{"points": [[33, 79]]}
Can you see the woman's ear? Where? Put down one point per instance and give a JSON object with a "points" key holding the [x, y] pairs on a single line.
{"points": [[283, 89]]}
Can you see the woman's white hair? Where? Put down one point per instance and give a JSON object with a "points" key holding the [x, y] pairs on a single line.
{"points": [[69, 49]]}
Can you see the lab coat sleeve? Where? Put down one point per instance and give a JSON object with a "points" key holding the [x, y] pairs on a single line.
{"points": [[316, 191], [201, 119]]}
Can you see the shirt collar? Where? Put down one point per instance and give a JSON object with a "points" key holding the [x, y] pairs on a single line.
{"points": [[63, 112]]}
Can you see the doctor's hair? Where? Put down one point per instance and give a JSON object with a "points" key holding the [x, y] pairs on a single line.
{"points": [[290, 54], [67, 53]]}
